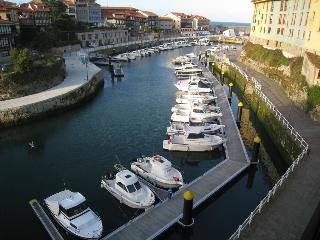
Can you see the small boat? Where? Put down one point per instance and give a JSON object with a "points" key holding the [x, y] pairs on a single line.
{"points": [[193, 142], [191, 55], [189, 72], [180, 117], [198, 86], [120, 58], [118, 72], [158, 170], [101, 62], [212, 129], [125, 186], [70, 210], [192, 98], [199, 114]]}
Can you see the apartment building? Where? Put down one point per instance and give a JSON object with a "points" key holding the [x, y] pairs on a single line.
{"points": [[34, 14], [290, 25], [100, 37], [88, 11], [124, 17], [165, 24], [152, 18], [287, 24], [7, 41]]}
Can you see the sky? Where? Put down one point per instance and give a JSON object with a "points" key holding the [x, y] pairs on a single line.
{"points": [[215, 10]]}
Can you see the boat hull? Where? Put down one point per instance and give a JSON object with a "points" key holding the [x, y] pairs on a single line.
{"points": [[150, 178], [189, 147]]}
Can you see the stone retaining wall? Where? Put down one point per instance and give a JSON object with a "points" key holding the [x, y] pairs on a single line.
{"points": [[15, 116]]}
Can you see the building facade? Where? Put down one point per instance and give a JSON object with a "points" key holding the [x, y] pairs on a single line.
{"points": [[152, 19], [165, 24], [7, 41], [291, 25], [34, 14], [100, 37], [88, 11]]}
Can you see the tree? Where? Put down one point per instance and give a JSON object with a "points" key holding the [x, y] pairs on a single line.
{"points": [[21, 60]]}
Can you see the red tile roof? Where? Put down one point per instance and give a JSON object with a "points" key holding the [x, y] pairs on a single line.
{"points": [[151, 14], [165, 19]]}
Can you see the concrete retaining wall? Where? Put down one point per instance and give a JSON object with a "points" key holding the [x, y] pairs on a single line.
{"points": [[15, 116]]}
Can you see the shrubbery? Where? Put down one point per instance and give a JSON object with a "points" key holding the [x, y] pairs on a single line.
{"points": [[313, 97], [271, 58]]}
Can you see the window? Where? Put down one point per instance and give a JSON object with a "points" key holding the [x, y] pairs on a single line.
{"points": [[137, 186], [309, 36], [269, 30], [122, 186], [278, 31], [306, 19], [74, 210], [131, 188]]}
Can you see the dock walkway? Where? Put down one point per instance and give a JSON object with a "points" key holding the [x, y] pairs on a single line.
{"points": [[45, 220], [293, 213], [158, 219]]}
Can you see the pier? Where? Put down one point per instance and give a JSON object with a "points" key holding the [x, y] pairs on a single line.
{"points": [[45, 220], [157, 220]]}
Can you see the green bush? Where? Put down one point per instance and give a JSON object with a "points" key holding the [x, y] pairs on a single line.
{"points": [[313, 97], [21, 58], [271, 58]]}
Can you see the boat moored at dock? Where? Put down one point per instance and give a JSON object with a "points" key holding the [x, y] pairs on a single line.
{"points": [[70, 210], [125, 186], [158, 170]]}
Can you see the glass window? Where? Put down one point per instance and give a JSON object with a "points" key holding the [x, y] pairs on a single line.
{"points": [[131, 188], [75, 210], [137, 185], [122, 186]]}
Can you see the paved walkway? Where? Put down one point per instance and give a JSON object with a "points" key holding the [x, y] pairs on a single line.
{"points": [[290, 211], [76, 76]]}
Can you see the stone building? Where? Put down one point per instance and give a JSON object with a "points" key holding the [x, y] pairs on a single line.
{"points": [[7, 41], [292, 26], [100, 37]]}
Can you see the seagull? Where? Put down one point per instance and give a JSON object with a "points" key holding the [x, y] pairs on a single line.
{"points": [[31, 144]]}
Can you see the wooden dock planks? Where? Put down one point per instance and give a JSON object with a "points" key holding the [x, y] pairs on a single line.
{"points": [[158, 219], [45, 220]]}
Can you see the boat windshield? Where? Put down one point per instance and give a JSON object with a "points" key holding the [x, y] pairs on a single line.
{"points": [[75, 210], [198, 111], [131, 188], [195, 135], [137, 186]]}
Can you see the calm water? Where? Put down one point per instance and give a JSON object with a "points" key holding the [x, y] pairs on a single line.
{"points": [[127, 117]]}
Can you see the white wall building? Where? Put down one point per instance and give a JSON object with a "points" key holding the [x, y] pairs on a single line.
{"points": [[165, 23], [229, 33], [176, 20], [100, 37]]}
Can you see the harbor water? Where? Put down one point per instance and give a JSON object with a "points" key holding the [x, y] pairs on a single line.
{"points": [[127, 118]]}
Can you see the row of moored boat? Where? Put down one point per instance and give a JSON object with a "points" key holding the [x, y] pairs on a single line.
{"points": [[196, 117]]}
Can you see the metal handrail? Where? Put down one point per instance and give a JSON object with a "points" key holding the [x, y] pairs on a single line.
{"points": [[292, 131]]}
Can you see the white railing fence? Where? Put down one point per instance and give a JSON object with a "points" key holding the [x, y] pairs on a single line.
{"points": [[303, 144]]}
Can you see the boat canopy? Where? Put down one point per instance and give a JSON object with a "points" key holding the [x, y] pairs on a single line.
{"points": [[65, 199], [126, 177]]}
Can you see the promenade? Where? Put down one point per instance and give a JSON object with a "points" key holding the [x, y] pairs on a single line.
{"points": [[289, 214], [76, 76]]}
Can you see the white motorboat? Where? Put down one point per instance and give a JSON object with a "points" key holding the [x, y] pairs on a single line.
{"points": [[180, 117], [198, 86], [178, 129], [193, 142], [181, 60], [125, 186], [70, 210], [191, 55], [189, 72], [120, 58], [118, 72], [195, 98], [186, 66], [130, 56], [187, 107], [158, 170], [198, 115], [101, 62]]}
